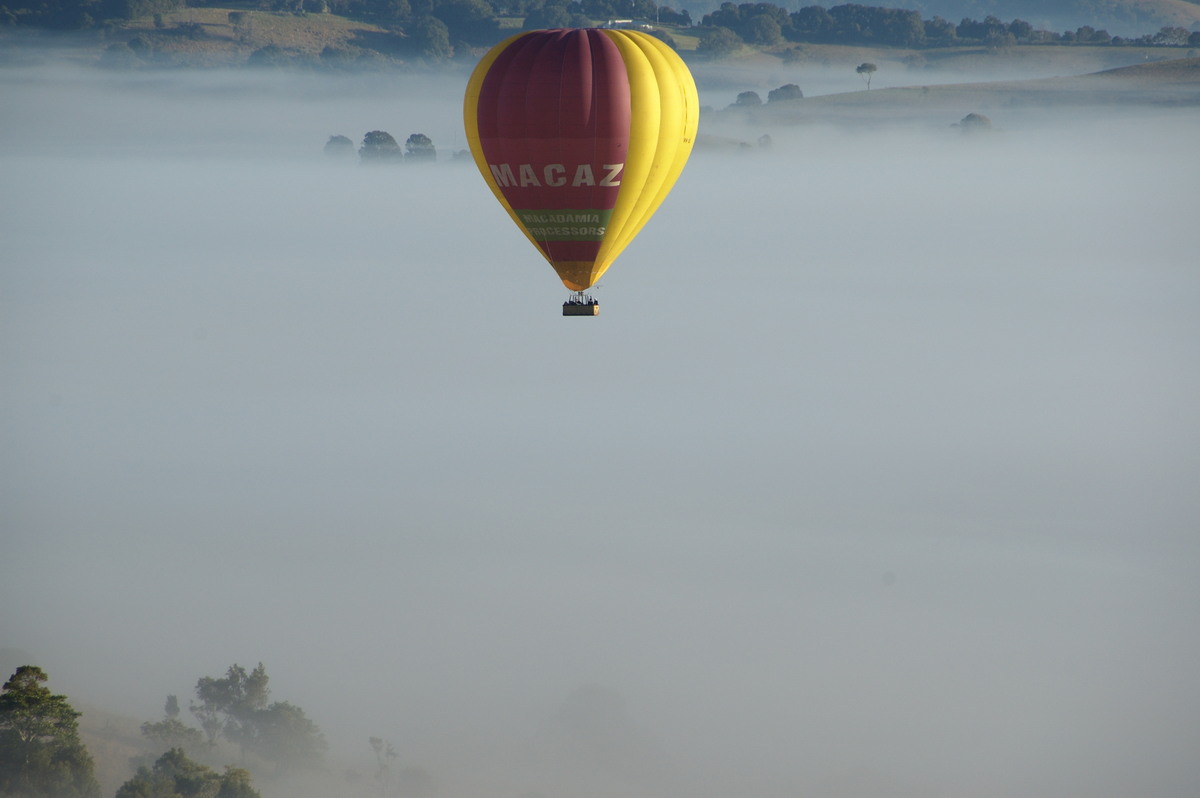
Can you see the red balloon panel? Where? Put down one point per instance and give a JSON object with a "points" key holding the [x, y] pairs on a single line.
{"points": [[553, 122]]}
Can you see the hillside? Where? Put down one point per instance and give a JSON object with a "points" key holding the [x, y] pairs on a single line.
{"points": [[206, 36], [115, 741], [1170, 84], [1118, 17]]}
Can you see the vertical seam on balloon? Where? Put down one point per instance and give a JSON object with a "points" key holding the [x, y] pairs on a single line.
{"points": [[639, 157], [674, 141], [668, 141]]}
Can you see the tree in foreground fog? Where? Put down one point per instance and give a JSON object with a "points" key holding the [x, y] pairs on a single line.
{"points": [[41, 755]]}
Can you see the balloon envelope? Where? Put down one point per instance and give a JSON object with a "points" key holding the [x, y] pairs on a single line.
{"points": [[581, 133]]}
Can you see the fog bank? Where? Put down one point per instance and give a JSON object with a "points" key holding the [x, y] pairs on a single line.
{"points": [[875, 473]]}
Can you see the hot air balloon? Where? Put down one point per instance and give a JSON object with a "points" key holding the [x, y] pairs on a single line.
{"points": [[580, 134]]}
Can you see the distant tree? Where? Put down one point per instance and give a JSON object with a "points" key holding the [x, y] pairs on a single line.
{"points": [[419, 147], [866, 71], [940, 31], [748, 99], [901, 28], [979, 31], [473, 21], [811, 24], [1021, 30], [173, 775], [235, 783], [384, 754], [391, 12], [284, 735], [379, 147], [235, 707], [786, 92], [339, 147], [719, 43], [669, 16], [550, 15], [1171, 36], [762, 29], [431, 38], [41, 755], [171, 732], [975, 123], [635, 9], [999, 39], [226, 706], [595, 9]]}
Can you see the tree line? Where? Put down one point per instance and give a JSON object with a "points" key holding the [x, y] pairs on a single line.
{"points": [[850, 23], [379, 146], [441, 28], [42, 756]]}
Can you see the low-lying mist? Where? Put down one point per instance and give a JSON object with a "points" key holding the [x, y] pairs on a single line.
{"points": [[876, 473]]}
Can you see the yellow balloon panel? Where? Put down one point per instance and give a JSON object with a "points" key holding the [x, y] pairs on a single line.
{"points": [[580, 134]]}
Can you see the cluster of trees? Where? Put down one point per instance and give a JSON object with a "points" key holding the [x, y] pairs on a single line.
{"points": [[79, 14], [379, 146], [751, 99], [42, 756], [768, 24], [174, 775], [235, 708]]}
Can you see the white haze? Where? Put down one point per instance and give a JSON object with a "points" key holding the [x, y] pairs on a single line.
{"points": [[876, 475]]}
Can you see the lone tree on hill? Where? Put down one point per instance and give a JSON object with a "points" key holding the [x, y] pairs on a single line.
{"points": [[866, 71], [41, 755]]}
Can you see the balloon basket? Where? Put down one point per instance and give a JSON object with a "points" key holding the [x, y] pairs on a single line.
{"points": [[581, 304]]}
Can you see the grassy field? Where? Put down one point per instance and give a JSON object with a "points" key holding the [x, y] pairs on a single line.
{"points": [[1170, 86], [238, 32], [235, 33]]}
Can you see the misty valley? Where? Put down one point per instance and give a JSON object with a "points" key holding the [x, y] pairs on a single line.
{"points": [[875, 477]]}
